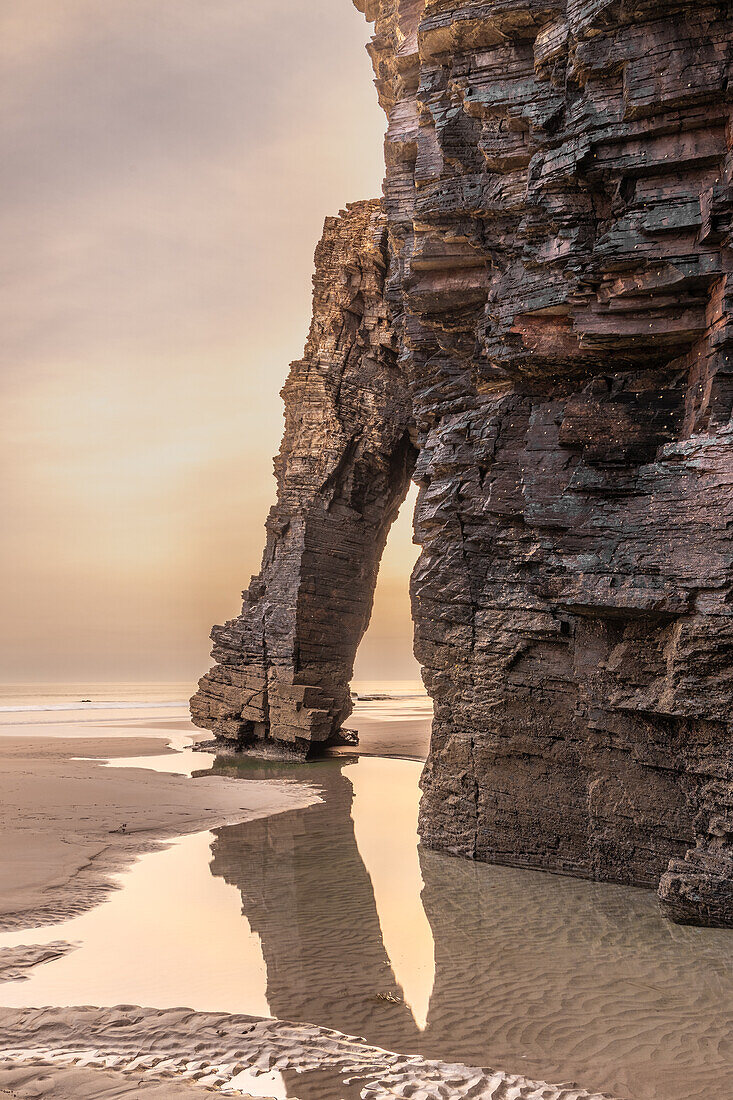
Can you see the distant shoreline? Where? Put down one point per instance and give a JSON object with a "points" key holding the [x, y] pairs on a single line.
{"points": [[84, 704]]}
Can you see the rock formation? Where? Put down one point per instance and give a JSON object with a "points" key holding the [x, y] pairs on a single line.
{"points": [[281, 682], [558, 208]]}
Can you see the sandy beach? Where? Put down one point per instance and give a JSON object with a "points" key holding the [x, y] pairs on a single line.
{"points": [[321, 955], [68, 823], [219, 1050], [78, 806], [35, 1081]]}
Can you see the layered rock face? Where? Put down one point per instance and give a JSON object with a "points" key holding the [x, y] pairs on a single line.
{"points": [[558, 209], [281, 679], [558, 196]]}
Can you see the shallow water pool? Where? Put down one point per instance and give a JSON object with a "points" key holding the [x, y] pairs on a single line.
{"points": [[333, 915]]}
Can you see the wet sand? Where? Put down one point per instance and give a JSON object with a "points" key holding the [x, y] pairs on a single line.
{"points": [[308, 898], [408, 739], [67, 824], [17, 962], [39, 1080], [218, 1050], [391, 728]]}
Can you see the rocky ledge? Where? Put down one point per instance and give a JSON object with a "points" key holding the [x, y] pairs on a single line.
{"points": [[539, 314]]}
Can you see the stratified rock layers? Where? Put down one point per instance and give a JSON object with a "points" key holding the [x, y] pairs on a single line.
{"points": [[281, 681], [558, 197], [556, 266]]}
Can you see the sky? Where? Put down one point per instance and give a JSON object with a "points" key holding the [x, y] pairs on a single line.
{"points": [[166, 167]]}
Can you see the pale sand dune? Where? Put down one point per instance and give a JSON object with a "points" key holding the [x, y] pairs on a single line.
{"points": [[60, 817], [215, 1048]]}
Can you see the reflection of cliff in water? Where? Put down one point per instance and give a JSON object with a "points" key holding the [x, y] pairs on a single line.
{"points": [[551, 977], [558, 978], [307, 894]]}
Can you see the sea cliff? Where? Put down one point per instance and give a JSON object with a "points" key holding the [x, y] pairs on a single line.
{"points": [[534, 324]]}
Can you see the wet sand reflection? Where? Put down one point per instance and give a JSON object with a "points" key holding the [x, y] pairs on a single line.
{"points": [[554, 978], [306, 893]]}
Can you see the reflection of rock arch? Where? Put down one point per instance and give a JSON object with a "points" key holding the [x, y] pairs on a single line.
{"points": [[306, 893]]}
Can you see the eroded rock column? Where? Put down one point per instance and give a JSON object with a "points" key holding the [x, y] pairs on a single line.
{"points": [[283, 666]]}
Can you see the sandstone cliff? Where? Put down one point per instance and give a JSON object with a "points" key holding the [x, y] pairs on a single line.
{"points": [[558, 209]]}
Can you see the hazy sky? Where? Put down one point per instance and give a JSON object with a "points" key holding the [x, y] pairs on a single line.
{"points": [[166, 166]]}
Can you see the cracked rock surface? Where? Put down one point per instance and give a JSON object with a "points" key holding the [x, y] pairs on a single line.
{"points": [[540, 310]]}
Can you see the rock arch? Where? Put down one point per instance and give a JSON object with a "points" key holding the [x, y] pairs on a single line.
{"points": [[542, 311], [283, 666]]}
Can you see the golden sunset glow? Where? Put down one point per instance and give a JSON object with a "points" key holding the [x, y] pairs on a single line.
{"points": [[166, 172]]}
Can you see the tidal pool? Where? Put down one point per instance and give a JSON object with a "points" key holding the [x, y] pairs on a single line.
{"points": [[334, 915]]}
